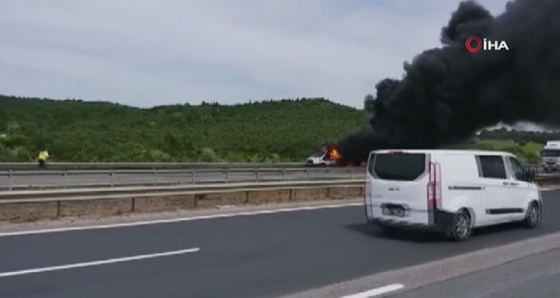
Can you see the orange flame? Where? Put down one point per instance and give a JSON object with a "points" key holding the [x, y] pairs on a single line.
{"points": [[334, 155]]}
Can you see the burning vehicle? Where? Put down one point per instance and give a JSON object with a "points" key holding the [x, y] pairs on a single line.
{"points": [[327, 155]]}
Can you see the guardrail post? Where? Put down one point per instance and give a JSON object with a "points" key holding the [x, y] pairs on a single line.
{"points": [[257, 175], [10, 179], [284, 174], [308, 174], [227, 175], [193, 179], [64, 179], [111, 174], [154, 174]]}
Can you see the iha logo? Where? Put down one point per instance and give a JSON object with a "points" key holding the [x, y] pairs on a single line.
{"points": [[475, 44]]}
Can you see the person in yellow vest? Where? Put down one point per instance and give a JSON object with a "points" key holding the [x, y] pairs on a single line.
{"points": [[43, 156]]}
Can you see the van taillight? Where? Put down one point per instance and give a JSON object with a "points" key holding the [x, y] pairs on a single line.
{"points": [[434, 185]]}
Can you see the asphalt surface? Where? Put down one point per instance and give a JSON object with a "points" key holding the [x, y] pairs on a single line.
{"points": [[248, 256], [47, 179], [534, 276]]}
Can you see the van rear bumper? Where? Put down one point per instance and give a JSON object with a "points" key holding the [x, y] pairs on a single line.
{"points": [[442, 222]]}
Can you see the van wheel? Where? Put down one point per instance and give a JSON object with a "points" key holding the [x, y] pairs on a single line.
{"points": [[461, 228], [533, 217]]}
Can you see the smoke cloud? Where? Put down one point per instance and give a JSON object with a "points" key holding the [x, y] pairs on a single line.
{"points": [[448, 93]]}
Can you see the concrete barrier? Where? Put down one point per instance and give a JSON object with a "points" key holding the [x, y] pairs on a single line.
{"points": [[548, 180], [33, 206]]}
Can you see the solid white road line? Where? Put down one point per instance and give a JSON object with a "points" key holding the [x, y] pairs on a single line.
{"points": [[97, 263], [377, 291], [175, 220]]}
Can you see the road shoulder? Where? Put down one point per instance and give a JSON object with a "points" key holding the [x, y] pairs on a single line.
{"points": [[441, 270], [532, 276], [178, 215]]}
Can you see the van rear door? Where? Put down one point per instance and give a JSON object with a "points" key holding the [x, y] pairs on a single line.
{"points": [[399, 186]]}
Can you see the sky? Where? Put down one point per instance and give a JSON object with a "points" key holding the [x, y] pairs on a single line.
{"points": [[156, 52]]}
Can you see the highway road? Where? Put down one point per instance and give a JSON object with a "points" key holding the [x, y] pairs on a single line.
{"points": [[184, 177], [265, 255], [533, 276]]}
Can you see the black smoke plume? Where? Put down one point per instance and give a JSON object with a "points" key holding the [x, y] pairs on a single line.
{"points": [[448, 93]]}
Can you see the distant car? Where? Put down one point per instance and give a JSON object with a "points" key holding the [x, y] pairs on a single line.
{"points": [[450, 191]]}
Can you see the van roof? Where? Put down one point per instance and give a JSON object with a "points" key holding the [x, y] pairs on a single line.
{"points": [[448, 152]]}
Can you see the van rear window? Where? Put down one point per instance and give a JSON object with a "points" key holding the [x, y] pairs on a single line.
{"points": [[401, 167]]}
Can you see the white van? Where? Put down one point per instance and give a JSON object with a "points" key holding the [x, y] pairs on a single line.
{"points": [[451, 191]]}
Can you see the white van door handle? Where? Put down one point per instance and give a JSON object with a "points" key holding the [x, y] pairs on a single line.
{"points": [[505, 183], [514, 184]]}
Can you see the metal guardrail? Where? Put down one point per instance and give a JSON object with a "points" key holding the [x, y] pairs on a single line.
{"points": [[60, 179], [30, 166], [58, 195], [161, 191]]}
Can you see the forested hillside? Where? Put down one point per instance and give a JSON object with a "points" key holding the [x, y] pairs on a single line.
{"points": [[282, 130], [74, 130]]}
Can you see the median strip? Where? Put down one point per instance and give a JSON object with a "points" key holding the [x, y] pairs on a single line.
{"points": [[176, 220], [28, 206]]}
